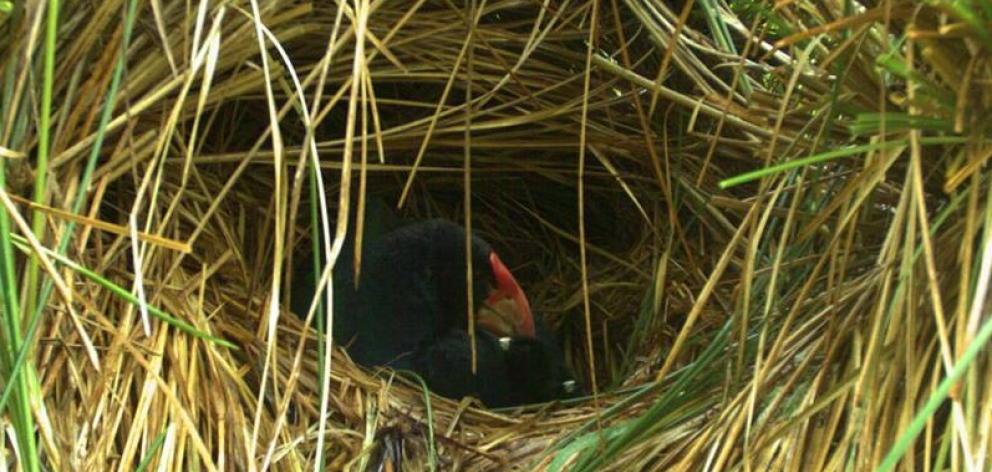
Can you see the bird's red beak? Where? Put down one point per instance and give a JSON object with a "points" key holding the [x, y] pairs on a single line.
{"points": [[506, 311]]}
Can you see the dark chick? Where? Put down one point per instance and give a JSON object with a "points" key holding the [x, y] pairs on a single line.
{"points": [[538, 366], [510, 371], [446, 368]]}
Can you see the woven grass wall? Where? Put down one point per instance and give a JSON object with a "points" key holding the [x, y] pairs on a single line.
{"points": [[825, 311]]}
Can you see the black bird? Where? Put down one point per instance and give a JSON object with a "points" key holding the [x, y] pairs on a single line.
{"points": [[408, 311], [548, 374], [510, 371]]}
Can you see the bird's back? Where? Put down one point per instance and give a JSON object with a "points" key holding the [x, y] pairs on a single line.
{"points": [[394, 307]]}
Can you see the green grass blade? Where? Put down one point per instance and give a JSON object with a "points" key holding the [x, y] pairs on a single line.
{"points": [[980, 342], [829, 156], [155, 446], [937, 398], [80, 200], [636, 430], [128, 296], [17, 383]]}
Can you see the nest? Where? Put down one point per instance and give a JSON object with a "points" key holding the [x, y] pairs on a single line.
{"points": [[575, 139]]}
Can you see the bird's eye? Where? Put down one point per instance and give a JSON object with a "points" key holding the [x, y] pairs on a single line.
{"points": [[568, 386]]}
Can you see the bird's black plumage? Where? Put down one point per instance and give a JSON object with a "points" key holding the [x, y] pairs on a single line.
{"points": [[409, 308], [537, 368], [411, 290], [446, 368], [513, 371]]}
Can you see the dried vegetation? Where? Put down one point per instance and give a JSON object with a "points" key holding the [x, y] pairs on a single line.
{"points": [[826, 310]]}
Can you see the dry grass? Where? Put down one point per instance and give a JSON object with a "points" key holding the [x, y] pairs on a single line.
{"points": [[797, 321]]}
